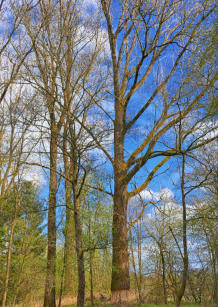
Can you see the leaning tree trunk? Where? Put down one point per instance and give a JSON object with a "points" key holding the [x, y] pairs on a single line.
{"points": [[49, 297]]}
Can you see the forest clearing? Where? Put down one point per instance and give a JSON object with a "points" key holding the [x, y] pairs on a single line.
{"points": [[108, 153]]}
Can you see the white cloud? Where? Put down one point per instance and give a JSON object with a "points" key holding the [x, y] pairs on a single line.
{"points": [[207, 130], [93, 3], [35, 175], [163, 195]]}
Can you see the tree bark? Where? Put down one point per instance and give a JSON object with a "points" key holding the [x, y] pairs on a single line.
{"points": [[213, 261], [18, 284], [69, 226], [91, 278], [120, 283], [79, 251], [49, 297], [62, 276], [91, 254], [69, 237], [137, 280], [163, 275], [215, 283], [180, 292]]}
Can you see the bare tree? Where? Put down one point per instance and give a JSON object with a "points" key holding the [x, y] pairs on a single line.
{"points": [[148, 43], [61, 69], [11, 61]]}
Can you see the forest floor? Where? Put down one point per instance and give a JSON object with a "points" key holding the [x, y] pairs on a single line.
{"points": [[100, 304]]}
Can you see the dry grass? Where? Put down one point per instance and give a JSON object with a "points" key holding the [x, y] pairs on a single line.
{"points": [[39, 303]]}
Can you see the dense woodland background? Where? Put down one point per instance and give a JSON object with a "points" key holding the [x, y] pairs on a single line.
{"points": [[108, 152]]}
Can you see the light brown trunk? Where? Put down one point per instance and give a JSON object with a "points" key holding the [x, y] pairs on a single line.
{"points": [[49, 297], [14, 300]]}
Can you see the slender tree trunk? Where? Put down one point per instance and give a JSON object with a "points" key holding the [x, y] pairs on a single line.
{"points": [[62, 276], [139, 233], [213, 260], [69, 226], [90, 264], [180, 292], [91, 278], [14, 300], [215, 283], [163, 275], [69, 237], [79, 251], [49, 297], [18, 284], [9, 254], [135, 272]]}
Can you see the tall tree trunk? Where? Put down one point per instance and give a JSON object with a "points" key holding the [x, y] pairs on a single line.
{"points": [[120, 283], [62, 276], [90, 263], [19, 282], [91, 278], [79, 250], [163, 275], [137, 280], [69, 226], [9, 254], [215, 276], [69, 238], [213, 261], [180, 292], [49, 297], [139, 234]]}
